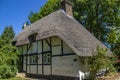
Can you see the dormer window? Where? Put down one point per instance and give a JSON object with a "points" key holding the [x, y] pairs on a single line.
{"points": [[32, 38], [14, 43]]}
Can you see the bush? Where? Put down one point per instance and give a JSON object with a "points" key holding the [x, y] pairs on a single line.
{"points": [[100, 61], [7, 71]]}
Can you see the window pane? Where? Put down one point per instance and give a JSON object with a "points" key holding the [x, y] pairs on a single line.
{"points": [[46, 58], [33, 59]]}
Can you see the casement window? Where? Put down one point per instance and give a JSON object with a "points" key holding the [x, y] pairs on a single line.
{"points": [[33, 59], [32, 38], [46, 58]]}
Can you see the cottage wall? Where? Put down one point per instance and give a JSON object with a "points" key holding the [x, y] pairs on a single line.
{"points": [[51, 56]]}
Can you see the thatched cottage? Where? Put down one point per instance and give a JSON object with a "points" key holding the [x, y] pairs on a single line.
{"points": [[56, 45]]}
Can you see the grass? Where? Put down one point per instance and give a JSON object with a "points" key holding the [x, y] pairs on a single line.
{"points": [[15, 78]]}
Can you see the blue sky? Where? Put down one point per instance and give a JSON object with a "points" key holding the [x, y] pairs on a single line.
{"points": [[16, 12]]}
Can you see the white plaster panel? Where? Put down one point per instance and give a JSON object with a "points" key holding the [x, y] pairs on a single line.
{"points": [[65, 65], [24, 67], [45, 46], [47, 70], [25, 49], [56, 41], [40, 59], [33, 69], [40, 69], [28, 61], [66, 49], [56, 50], [28, 69], [30, 50], [39, 46], [24, 59], [34, 47]]}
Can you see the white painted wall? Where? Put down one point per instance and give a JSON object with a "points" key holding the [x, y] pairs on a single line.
{"points": [[65, 65], [40, 69], [40, 59], [56, 50], [24, 63], [24, 49], [34, 47], [24, 67], [28, 69], [46, 47], [47, 70], [33, 69], [56, 41], [66, 49], [30, 50], [39, 46]]}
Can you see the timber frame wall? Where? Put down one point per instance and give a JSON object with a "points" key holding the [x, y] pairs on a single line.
{"points": [[42, 53]]}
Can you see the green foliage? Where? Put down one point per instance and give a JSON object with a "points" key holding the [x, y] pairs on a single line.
{"points": [[8, 54], [49, 7], [7, 35], [114, 40], [97, 15], [7, 71], [112, 37], [99, 61]]}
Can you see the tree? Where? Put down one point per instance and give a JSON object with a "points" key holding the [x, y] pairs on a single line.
{"points": [[97, 16], [7, 34], [49, 7], [8, 54], [114, 40]]}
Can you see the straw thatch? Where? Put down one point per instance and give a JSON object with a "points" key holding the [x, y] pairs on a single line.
{"points": [[81, 41]]}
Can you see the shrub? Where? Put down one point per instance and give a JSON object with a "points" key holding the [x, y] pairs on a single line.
{"points": [[100, 61], [7, 71]]}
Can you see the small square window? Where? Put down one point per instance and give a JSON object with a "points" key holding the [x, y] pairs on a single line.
{"points": [[46, 58], [33, 59]]}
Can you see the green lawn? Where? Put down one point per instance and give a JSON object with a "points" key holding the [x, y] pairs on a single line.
{"points": [[15, 78]]}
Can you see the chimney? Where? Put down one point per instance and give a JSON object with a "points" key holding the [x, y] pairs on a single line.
{"points": [[67, 7]]}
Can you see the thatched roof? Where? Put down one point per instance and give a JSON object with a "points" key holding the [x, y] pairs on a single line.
{"points": [[81, 41]]}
